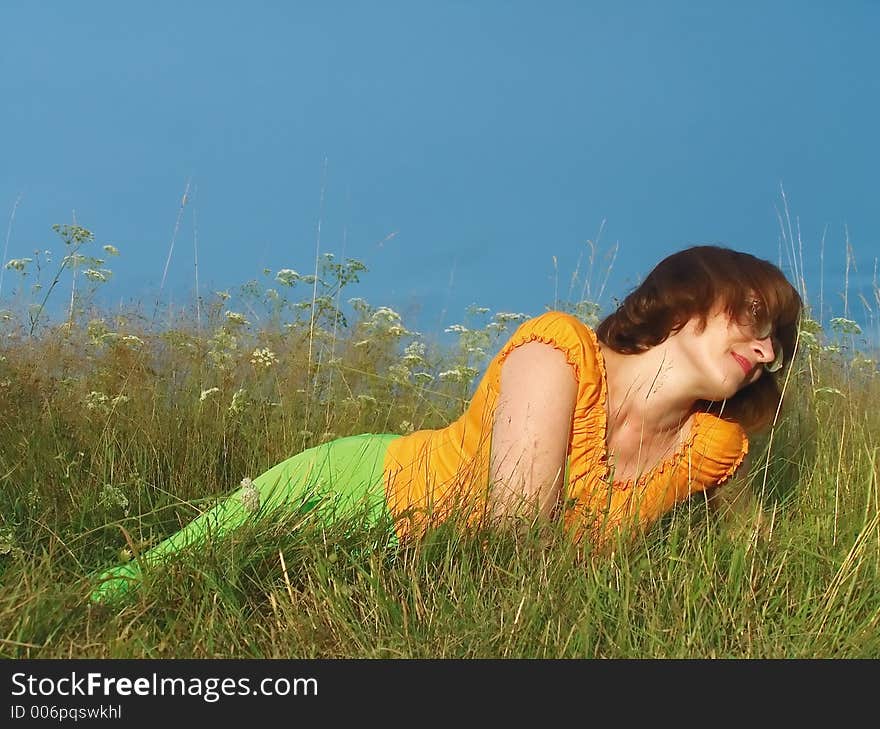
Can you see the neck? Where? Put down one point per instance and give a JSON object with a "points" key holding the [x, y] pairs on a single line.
{"points": [[646, 390]]}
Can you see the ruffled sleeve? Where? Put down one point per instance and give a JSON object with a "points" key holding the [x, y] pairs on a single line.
{"points": [[718, 450]]}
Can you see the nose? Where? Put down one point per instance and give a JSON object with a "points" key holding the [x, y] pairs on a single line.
{"points": [[764, 348]]}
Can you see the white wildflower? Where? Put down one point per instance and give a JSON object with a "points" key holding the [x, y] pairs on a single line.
{"points": [[100, 275], [457, 329], [250, 496], [222, 295], [112, 496], [399, 373], [97, 330], [7, 541], [96, 400], [239, 401], [459, 374], [845, 326], [808, 339], [287, 277], [18, 264], [207, 393], [405, 427], [425, 377], [386, 313], [386, 320], [263, 358], [222, 344], [111, 250], [829, 390], [32, 498], [233, 317], [503, 316], [414, 353]]}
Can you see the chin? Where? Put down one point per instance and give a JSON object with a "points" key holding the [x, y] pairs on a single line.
{"points": [[728, 387]]}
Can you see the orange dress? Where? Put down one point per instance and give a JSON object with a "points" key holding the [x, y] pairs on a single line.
{"points": [[429, 473]]}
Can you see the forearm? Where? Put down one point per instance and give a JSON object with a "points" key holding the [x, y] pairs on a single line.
{"points": [[737, 508], [523, 496]]}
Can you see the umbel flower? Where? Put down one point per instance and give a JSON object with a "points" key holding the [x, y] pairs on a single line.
{"points": [[250, 497], [263, 358], [207, 393]]}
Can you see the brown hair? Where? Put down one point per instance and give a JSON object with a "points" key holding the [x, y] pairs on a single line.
{"points": [[690, 284]]}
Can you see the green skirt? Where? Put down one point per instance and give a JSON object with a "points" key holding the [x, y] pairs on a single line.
{"points": [[336, 480]]}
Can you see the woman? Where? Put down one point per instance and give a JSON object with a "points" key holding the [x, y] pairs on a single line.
{"points": [[606, 430]]}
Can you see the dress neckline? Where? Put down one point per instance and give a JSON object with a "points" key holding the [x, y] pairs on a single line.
{"points": [[660, 466]]}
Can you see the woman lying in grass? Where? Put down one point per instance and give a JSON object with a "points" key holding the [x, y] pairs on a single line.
{"points": [[605, 431]]}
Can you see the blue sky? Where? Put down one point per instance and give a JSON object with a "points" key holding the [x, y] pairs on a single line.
{"points": [[483, 137]]}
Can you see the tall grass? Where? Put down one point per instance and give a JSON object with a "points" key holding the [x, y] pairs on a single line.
{"points": [[115, 433]]}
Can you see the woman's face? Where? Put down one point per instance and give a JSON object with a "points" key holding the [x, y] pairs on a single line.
{"points": [[728, 354]]}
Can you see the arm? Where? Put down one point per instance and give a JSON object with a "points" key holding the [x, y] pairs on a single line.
{"points": [[735, 505], [530, 432]]}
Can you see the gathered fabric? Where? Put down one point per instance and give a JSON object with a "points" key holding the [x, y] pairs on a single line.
{"points": [[430, 474]]}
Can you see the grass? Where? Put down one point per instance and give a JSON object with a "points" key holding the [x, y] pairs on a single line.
{"points": [[115, 433]]}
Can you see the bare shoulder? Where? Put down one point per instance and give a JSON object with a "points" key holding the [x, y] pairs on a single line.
{"points": [[537, 352], [537, 366]]}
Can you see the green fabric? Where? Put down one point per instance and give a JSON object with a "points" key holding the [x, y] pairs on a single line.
{"points": [[341, 478]]}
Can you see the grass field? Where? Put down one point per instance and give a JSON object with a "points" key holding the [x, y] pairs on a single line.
{"points": [[117, 428]]}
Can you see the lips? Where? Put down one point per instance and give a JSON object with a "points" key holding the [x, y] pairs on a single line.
{"points": [[743, 363]]}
